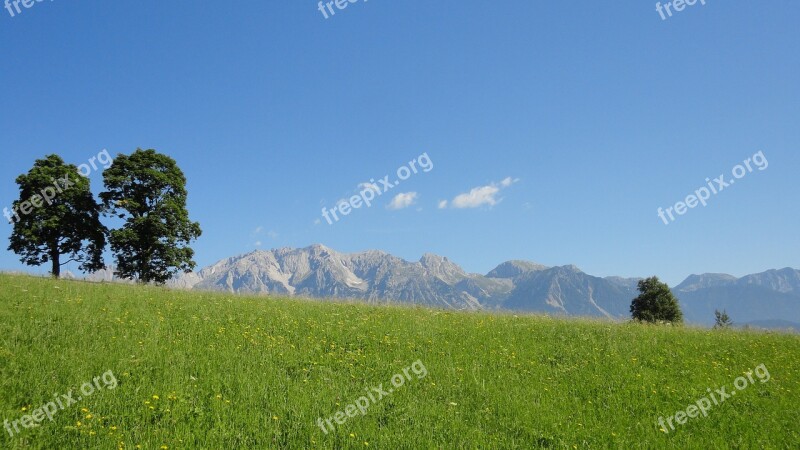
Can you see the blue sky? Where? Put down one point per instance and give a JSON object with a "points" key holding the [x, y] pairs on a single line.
{"points": [[599, 113]]}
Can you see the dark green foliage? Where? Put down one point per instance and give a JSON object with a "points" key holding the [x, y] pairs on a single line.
{"points": [[721, 319], [655, 303], [56, 215], [148, 190]]}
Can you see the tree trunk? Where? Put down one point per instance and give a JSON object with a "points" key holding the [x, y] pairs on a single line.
{"points": [[55, 258]]}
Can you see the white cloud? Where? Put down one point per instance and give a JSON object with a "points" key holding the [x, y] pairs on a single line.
{"points": [[442, 204], [484, 195], [481, 195], [272, 234], [258, 243], [403, 200], [258, 229], [507, 181]]}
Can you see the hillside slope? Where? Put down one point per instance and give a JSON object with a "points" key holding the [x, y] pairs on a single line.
{"points": [[212, 370]]}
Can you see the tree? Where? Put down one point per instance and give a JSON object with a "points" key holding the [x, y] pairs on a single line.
{"points": [[56, 215], [721, 319], [655, 303], [148, 190]]}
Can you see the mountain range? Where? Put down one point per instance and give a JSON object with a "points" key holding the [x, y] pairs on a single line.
{"points": [[771, 297]]}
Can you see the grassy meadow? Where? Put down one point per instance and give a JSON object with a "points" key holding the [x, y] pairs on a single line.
{"points": [[214, 371]]}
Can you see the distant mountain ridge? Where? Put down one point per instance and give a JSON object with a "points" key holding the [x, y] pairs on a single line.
{"points": [[771, 296], [375, 276]]}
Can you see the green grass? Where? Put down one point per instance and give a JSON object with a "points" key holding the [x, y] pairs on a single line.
{"points": [[256, 372]]}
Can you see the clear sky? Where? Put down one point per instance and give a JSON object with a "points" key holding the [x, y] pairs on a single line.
{"points": [[594, 113]]}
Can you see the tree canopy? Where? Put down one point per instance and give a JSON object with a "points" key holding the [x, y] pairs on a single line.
{"points": [[148, 191], [655, 303], [56, 215]]}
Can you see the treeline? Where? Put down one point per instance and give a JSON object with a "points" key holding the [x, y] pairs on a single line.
{"points": [[57, 219]]}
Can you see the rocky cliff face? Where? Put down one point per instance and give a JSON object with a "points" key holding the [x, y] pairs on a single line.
{"points": [[318, 271], [375, 276]]}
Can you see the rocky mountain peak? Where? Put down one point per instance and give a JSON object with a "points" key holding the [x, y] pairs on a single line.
{"points": [[442, 268], [514, 268], [375, 276]]}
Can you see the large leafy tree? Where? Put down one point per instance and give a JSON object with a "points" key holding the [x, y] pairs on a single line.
{"points": [[56, 215], [148, 191], [655, 303]]}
